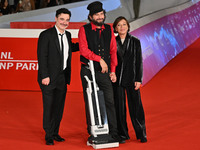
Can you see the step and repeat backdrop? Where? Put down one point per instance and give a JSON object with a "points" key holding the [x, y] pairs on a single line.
{"points": [[161, 40]]}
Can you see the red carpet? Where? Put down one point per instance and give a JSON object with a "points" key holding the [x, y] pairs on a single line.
{"points": [[171, 104]]}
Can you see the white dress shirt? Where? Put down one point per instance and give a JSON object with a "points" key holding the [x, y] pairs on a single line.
{"points": [[65, 45]]}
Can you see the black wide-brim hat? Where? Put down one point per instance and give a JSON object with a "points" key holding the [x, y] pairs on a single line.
{"points": [[95, 7]]}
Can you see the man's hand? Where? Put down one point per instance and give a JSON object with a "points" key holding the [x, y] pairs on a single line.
{"points": [[46, 81], [113, 77], [104, 66], [137, 85]]}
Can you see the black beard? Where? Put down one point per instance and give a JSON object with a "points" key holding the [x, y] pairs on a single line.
{"points": [[98, 23]]}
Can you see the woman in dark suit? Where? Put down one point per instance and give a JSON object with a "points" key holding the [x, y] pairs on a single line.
{"points": [[129, 78]]}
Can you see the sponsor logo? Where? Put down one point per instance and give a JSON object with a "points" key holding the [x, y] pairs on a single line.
{"points": [[7, 62]]}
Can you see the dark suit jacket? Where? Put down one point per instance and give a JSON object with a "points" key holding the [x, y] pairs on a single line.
{"points": [[50, 57], [130, 66]]}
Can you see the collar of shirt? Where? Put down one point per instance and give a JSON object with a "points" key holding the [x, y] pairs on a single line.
{"points": [[58, 32], [94, 27]]}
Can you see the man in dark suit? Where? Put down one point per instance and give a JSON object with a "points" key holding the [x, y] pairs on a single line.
{"points": [[54, 59]]}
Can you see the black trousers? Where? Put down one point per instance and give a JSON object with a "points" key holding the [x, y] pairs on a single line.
{"points": [[136, 111], [104, 83], [53, 105]]}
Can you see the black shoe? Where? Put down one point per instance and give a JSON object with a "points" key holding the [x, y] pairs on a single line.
{"points": [[117, 138], [49, 142], [143, 140], [58, 138]]}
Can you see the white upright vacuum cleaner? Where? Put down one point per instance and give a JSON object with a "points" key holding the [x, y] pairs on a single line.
{"points": [[100, 137]]}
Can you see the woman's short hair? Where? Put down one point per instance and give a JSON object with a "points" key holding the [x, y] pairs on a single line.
{"points": [[117, 20]]}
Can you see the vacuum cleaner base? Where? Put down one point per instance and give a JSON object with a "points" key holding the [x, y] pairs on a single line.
{"points": [[102, 141], [105, 145]]}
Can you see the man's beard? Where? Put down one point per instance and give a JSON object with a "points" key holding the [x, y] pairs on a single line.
{"points": [[98, 23]]}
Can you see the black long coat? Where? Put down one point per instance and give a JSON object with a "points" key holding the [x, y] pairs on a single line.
{"points": [[130, 66]]}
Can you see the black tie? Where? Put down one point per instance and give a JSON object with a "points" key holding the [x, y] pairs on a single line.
{"points": [[62, 48]]}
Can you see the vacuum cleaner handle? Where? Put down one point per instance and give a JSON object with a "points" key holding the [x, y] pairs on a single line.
{"points": [[91, 66]]}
